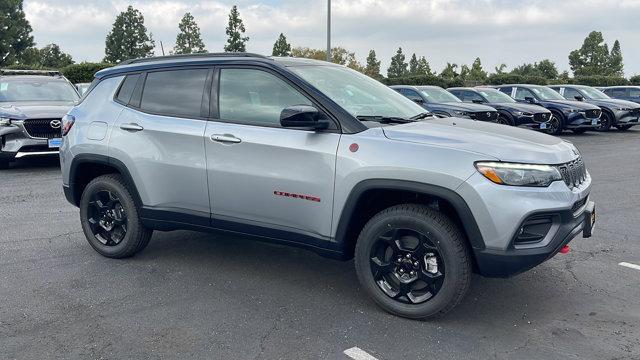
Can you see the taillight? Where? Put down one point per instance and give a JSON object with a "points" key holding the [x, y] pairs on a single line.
{"points": [[67, 124]]}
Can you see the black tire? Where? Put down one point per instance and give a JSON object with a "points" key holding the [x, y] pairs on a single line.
{"points": [[624, 127], [505, 119], [448, 247], [4, 165], [556, 123], [578, 131], [128, 236], [606, 121]]}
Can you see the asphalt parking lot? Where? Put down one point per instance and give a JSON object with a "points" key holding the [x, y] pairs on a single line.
{"points": [[193, 295]]}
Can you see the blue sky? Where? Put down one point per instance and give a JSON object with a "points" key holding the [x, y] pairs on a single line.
{"points": [[498, 31]]}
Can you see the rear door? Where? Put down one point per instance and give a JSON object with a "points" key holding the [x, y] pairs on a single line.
{"points": [[158, 137], [262, 177]]}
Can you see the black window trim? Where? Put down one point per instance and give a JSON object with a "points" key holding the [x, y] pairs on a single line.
{"points": [[215, 99], [136, 97]]}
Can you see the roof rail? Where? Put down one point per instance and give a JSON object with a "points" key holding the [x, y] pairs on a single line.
{"points": [[29, 72], [188, 56]]}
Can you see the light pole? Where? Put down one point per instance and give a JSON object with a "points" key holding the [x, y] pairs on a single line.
{"points": [[329, 30]]}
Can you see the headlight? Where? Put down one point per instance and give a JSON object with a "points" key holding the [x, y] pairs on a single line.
{"points": [[571, 111], [460, 113], [622, 109], [518, 113], [519, 174], [5, 121]]}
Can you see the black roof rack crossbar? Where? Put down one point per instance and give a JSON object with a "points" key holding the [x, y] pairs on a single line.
{"points": [[30, 72], [187, 56]]}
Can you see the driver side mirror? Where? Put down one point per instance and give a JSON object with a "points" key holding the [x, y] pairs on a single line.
{"points": [[418, 101], [530, 99], [302, 116], [579, 97]]}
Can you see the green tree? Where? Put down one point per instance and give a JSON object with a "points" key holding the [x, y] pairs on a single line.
{"points": [[398, 67], [52, 57], [634, 80], [449, 72], [476, 72], [281, 47], [372, 68], [189, 40], [339, 55], [413, 65], [546, 68], [500, 69], [616, 67], [15, 32], [423, 67], [128, 39], [592, 58], [235, 41]]}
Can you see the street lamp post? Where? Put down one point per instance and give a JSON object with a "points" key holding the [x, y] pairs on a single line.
{"points": [[329, 30]]}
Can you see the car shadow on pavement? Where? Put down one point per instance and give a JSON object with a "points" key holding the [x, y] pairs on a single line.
{"points": [[48, 162]]}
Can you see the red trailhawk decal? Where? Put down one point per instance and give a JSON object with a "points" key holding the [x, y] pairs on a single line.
{"points": [[296, 196]]}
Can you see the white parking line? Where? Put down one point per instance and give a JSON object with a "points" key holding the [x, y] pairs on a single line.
{"points": [[358, 354], [629, 265]]}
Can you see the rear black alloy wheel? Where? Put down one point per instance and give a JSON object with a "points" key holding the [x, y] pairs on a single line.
{"points": [[110, 218], [407, 266], [413, 261], [107, 218]]}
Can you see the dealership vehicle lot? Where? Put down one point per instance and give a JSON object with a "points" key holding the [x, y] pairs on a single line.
{"points": [[192, 295]]}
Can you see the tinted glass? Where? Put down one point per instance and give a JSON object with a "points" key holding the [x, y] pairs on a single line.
{"points": [[411, 94], [634, 93], [126, 89], [522, 93], [36, 89], [571, 94], [470, 96], [175, 92], [506, 90], [255, 97], [357, 93]]}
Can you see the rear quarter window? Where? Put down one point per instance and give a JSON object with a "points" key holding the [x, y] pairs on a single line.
{"points": [[126, 88]]}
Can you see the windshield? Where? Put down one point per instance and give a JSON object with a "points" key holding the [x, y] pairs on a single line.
{"points": [[357, 93], [544, 93], [495, 96], [36, 90], [436, 95], [592, 93]]}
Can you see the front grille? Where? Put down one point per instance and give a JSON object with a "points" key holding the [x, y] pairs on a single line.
{"points": [[573, 173], [43, 128], [541, 117], [485, 115], [591, 113]]}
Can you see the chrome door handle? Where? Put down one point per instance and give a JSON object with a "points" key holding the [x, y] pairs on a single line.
{"points": [[131, 127], [225, 138]]}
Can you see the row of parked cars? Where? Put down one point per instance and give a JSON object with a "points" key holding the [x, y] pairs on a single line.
{"points": [[548, 108]]}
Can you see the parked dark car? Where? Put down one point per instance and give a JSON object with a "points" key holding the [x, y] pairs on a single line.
{"points": [[622, 114], [510, 112], [630, 93], [574, 115], [442, 103]]}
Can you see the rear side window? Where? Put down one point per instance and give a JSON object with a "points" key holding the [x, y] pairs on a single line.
{"points": [[174, 92], [126, 89]]}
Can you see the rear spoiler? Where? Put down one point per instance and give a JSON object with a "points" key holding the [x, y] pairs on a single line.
{"points": [[4, 72]]}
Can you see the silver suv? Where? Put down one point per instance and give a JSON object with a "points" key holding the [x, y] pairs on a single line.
{"points": [[316, 155], [32, 104]]}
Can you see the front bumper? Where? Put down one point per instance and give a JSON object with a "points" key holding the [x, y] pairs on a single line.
{"points": [[627, 118], [579, 121], [14, 144], [505, 263]]}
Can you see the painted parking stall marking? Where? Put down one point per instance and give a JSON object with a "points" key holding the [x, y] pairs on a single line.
{"points": [[358, 354], [629, 265]]}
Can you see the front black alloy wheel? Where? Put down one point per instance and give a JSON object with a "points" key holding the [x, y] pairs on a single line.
{"points": [[110, 218], [554, 125], [413, 261], [407, 266], [606, 121]]}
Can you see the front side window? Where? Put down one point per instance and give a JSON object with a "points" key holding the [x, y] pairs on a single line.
{"points": [[570, 93], [255, 97], [634, 93], [174, 92], [523, 94], [36, 89], [470, 96], [413, 95]]}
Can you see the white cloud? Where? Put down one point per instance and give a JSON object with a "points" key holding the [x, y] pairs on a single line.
{"points": [[497, 31]]}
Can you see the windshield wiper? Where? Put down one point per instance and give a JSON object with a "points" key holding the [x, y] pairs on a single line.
{"points": [[422, 115], [384, 119]]}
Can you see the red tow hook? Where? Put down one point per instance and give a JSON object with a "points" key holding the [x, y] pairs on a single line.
{"points": [[565, 249]]}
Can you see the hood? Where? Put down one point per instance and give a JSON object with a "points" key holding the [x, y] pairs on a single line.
{"points": [[27, 110], [580, 105], [462, 106], [505, 143], [614, 103], [530, 108]]}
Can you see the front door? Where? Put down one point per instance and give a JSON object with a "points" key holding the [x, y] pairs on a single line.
{"points": [[262, 177]]}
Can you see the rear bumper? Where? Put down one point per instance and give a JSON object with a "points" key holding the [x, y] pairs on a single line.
{"points": [[505, 263]]}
